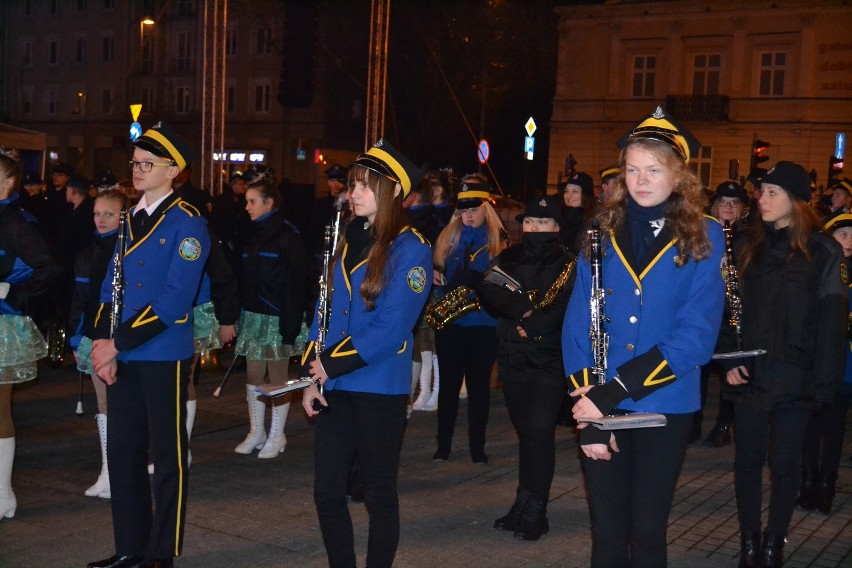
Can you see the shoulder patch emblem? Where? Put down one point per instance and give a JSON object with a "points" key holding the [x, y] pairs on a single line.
{"points": [[417, 279], [190, 248], [844, 273]]}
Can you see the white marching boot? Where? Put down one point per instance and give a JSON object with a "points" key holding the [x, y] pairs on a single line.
{"points": [[432, 404], [8, 504], [425, 380], [257, 434], [277, 441], [191, 406], [415, 377], [101, 486]]}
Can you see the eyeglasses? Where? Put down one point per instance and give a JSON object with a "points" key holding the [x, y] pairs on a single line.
{"points": [[728, 203], [145, 167]]}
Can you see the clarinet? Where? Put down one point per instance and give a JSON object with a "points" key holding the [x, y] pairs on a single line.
{"points": [[118, 275], [599, 337]]}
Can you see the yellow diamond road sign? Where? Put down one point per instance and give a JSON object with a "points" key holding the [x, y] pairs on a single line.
{"points": [[530, 126]]}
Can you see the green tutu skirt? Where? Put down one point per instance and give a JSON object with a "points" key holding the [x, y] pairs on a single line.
{"points": [[84, 356], [258, 338], [21, 345], [205, 328]]}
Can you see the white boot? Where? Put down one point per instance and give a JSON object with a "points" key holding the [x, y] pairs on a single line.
{"points": [[101, 486], [276, 441], [432, 404], [463, 390], [257, 434], [425, 380], [8, 504], [191, 405]]}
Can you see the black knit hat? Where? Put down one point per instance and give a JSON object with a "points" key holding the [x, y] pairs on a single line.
{"points": [[542, 206], [792, 177], [730, 189], [584, 181]]}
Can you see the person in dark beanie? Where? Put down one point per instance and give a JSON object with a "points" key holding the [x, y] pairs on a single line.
{"points": [[794, 305], [529, 360]]}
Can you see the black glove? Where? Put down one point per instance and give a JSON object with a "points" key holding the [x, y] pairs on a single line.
{"points": [[592, 435]]}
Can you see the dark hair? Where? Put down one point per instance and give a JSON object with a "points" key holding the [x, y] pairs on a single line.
{"points": [[803, 224], [390, 220], [267, 190]]}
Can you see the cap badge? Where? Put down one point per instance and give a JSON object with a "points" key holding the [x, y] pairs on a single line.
{"points": [[659, 114], [772, 169], [543, 203]]}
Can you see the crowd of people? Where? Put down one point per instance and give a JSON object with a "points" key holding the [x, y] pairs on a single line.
{"points": [[425, 294]]}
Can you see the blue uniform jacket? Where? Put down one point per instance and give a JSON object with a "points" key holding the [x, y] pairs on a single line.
{"points": [[663, 324], [474, 244], [162, 272], [370, 351]]}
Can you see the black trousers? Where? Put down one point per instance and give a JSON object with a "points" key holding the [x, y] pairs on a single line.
{"points": [[147, 410], [784, 425], [823, 443], [371, 426], [726, 407], [631, 495], [465, 353], [534, 410]]}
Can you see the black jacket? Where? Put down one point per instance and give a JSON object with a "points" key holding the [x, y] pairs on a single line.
{"points": [[536, 263], [796, 310], [272, 279], [90, 268], [22, 248]]}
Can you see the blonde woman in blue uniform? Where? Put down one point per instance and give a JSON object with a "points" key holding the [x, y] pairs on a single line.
{"points": [[382, 276], [467, 347], [146, 363], [664, 298]]}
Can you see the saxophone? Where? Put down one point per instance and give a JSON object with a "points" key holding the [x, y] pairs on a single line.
{"points": [[118, 275], [444, 311], [597, 300]]}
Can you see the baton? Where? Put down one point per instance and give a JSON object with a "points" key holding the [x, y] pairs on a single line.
{"points": [[218, 390]]}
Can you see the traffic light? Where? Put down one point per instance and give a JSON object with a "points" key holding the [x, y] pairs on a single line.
{"points": [[835, 170], [758, 156]]}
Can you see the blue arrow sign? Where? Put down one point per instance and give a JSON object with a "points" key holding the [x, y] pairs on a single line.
{"points": [[839, 145]]}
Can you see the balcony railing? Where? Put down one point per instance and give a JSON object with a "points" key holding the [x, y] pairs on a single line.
{"points": [[698, 107]]}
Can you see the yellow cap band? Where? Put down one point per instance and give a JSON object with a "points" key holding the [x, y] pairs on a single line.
{"points": [[609, 172], [473, 195], [673, 132], [835, 220], [395, 166], [181, 163]]}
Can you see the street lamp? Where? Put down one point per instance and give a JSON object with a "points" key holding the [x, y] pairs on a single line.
{"points": [[146, 21]]}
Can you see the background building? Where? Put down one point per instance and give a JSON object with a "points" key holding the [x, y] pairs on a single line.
{"points": [[733, 72]]}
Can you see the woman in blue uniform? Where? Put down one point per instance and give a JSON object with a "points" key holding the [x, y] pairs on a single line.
{"points": [[466, 347], [381, 282], [663, 304], [90, 268], [25, 274], [272, 298], [794, 298]]}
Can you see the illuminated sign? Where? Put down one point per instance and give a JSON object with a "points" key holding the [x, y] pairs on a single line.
{"points": [[240, 156]]}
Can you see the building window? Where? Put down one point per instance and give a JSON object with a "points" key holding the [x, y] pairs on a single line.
{"points": [[52, 101], [148, 56], [109, 4], [27, 57], [182, 100], [54, 6], [185, 7], [700, 165], [705, 74], [264, 41], [28, 8], [184, 50], [109, 50], [106, 102], [82, 5], [230, 99], [644, 75], [262, 95], [146, 99], [773, 65], [78, 103], [53, 52], [81, 50], [231, 42]]}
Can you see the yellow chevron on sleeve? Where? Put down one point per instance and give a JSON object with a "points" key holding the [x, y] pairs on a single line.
{"points": [[337, 352], [142, 320], [651, 380], [402, 350], [184, 319], [98, 315], [307, 352]]}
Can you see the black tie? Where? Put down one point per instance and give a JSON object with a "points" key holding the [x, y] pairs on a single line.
{"points": [[141, 218]]}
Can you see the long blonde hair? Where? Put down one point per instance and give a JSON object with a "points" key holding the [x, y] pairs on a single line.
{"points": [[684, 214], [449, 238]]}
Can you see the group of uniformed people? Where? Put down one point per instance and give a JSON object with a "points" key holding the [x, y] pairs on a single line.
{"points": [[663, 267]]}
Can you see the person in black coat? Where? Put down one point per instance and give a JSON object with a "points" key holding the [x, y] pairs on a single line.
{"points": [[578, 195], [272, 298], [794, 300], [529, 360]]}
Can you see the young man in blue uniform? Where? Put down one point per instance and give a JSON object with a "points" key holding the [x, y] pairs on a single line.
{"points": [[146, 363]]}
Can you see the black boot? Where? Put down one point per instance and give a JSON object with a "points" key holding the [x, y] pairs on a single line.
{"points": [[749, 550], [772, 551], [826, 492], [719, 436], [695, 433], [117, 561], [512, 519], [807, 490], [533, 520]]}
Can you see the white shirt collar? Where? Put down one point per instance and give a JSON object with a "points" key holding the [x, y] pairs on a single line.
{"points": [[143, 204]]}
